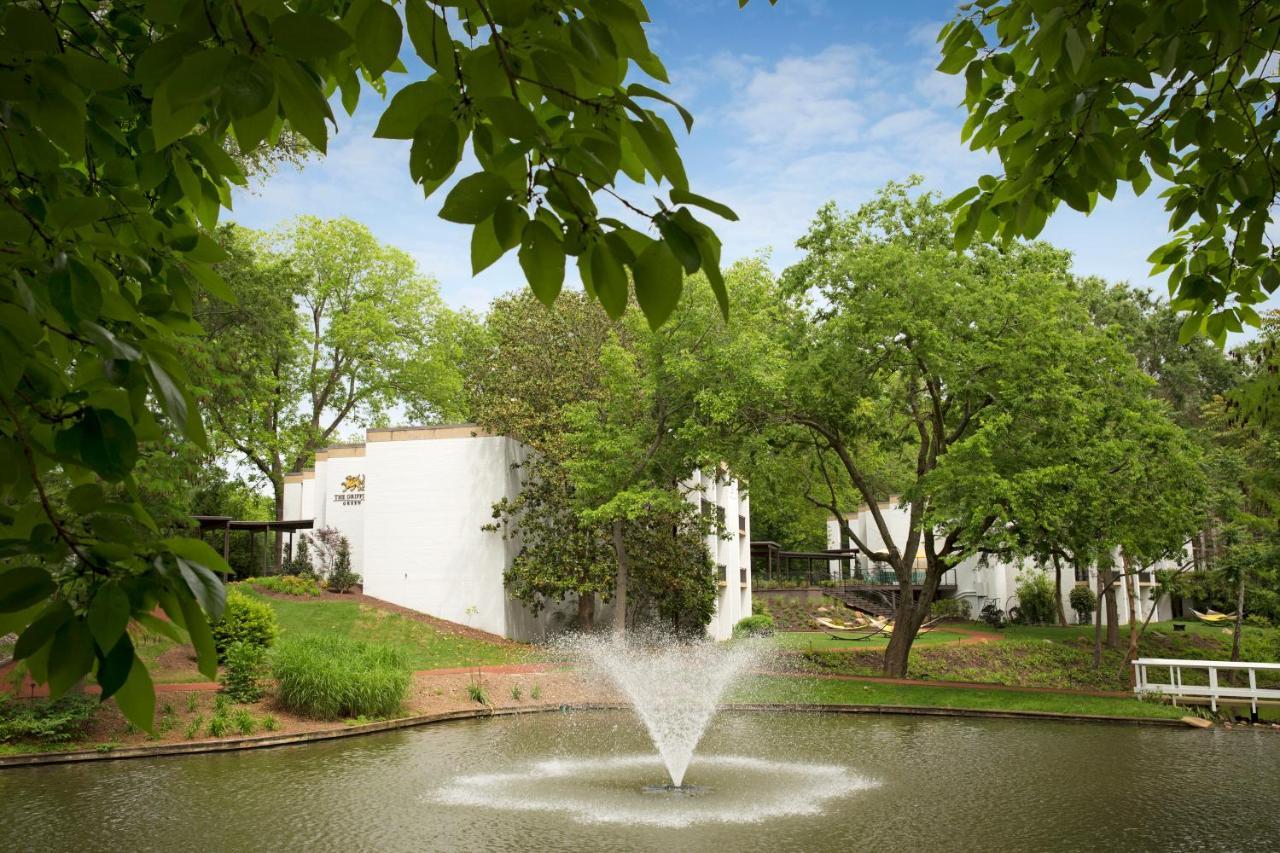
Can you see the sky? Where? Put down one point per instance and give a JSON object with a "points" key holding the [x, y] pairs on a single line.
{"points": [[795, 105]]}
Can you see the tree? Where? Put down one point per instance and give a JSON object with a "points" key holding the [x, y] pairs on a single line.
{"points": [[330, 329], [935, 371], [1076, 100], [114, 170]]}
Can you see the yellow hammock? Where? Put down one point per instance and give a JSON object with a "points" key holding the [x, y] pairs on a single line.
{"points": [[1213, 617]]}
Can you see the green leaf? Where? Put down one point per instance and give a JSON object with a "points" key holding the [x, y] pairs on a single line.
{"points": [[70, 657], [430, 36], [508, 224], [639, 89], [542, 259], [475, 198], [378, 37], [662, 148], [436, 150], [1075, 48], [109, 614], [201, 636], [485, 249], [198, 563], [170, 123], [679, 196], [308, 36], [659, 282], [115, 666], [160, 626], [304, 106], [41, 630], [411, 106], [136, 698], [85, 498], [509, 118], [107, 444], [609, 278], [681, 243], [23, 586]]}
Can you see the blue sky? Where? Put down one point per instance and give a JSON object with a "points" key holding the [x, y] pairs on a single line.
{"points": [[795, 105]]}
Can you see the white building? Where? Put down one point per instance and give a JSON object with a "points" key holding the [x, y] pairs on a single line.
{"points": [[980, 581], [412, 501]]}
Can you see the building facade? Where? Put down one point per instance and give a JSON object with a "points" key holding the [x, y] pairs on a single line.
{"points": [[979, 581], [413, 501]]}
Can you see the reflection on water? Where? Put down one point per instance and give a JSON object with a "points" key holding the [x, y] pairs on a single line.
{"points": [[576, 782]]}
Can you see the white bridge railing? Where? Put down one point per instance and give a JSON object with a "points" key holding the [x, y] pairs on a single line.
{"points": [[1215, 690]]}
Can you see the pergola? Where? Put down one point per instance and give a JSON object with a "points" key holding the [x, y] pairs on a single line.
{"points": [[227, 524]]}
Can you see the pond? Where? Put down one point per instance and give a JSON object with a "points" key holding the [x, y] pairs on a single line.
{"points": [[759, 781]]}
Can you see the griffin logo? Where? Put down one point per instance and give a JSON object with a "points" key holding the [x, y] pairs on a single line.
{"points": [[353, 483]]}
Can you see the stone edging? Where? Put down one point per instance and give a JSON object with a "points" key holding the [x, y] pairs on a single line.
{"points": [[32, 759]]}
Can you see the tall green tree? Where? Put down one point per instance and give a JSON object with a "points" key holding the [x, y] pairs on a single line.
{"points": [[1077, 99], [114, 169], [944, 366], [330, 329]]}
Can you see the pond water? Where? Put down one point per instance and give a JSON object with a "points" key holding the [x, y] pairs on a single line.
{"points": [[759, 781]]}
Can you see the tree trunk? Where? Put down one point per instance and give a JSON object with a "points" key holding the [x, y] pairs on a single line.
{"points": [[898, 652], [279, 497], [1238, 628], [620, 585], [1132, 652], [1097, 626], [1107, 577], [1057, 589], [586, 611]]}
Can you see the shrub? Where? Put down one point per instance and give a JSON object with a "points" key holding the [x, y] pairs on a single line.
{"points": [[1257, 620], [243, 721], [301, 564], [193, 729], [287, 584], [44, 721], [342, 578], [759, 607], [950, 608], [331, 677], [242, 672], [1083, 601], [476, 691], [1035, 598], [758, 625], [270, 723], [245, 619]]}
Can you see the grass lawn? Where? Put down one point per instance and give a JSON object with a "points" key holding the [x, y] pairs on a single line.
{"points": [[819, 691], [425, 646], [820, 642]]}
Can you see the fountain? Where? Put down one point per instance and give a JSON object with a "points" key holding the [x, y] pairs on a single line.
{"points": [[675, 688]]}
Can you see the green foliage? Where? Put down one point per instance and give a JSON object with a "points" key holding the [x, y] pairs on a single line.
{"points": [[246, 619], [194, 727], [118, 120], [1083, 601], [330, 677], [535, 692], [477, 692], [45, 721], [219, 724], [517, 692], [270, 723], [300, 562], [342, 578], [243, 721], [950, 608], [759, 607], [1036, 598], [305, 585], [756, 625], [1077, 100], [243, 667]]}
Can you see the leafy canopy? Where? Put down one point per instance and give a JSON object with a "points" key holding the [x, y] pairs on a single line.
{"points": [[117, 120], [1078, 98]]}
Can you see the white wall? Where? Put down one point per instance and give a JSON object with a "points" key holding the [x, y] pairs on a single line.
{"points": [[417, 540], [979, 581]]}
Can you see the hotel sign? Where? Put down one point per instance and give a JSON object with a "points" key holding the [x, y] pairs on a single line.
{"points": [[352, 491]]}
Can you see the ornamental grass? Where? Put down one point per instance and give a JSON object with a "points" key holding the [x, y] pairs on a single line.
{"points": [[332, 677]]}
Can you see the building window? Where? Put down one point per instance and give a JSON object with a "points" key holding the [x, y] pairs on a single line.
{"points": [[707, 507], [1082, 573]]}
